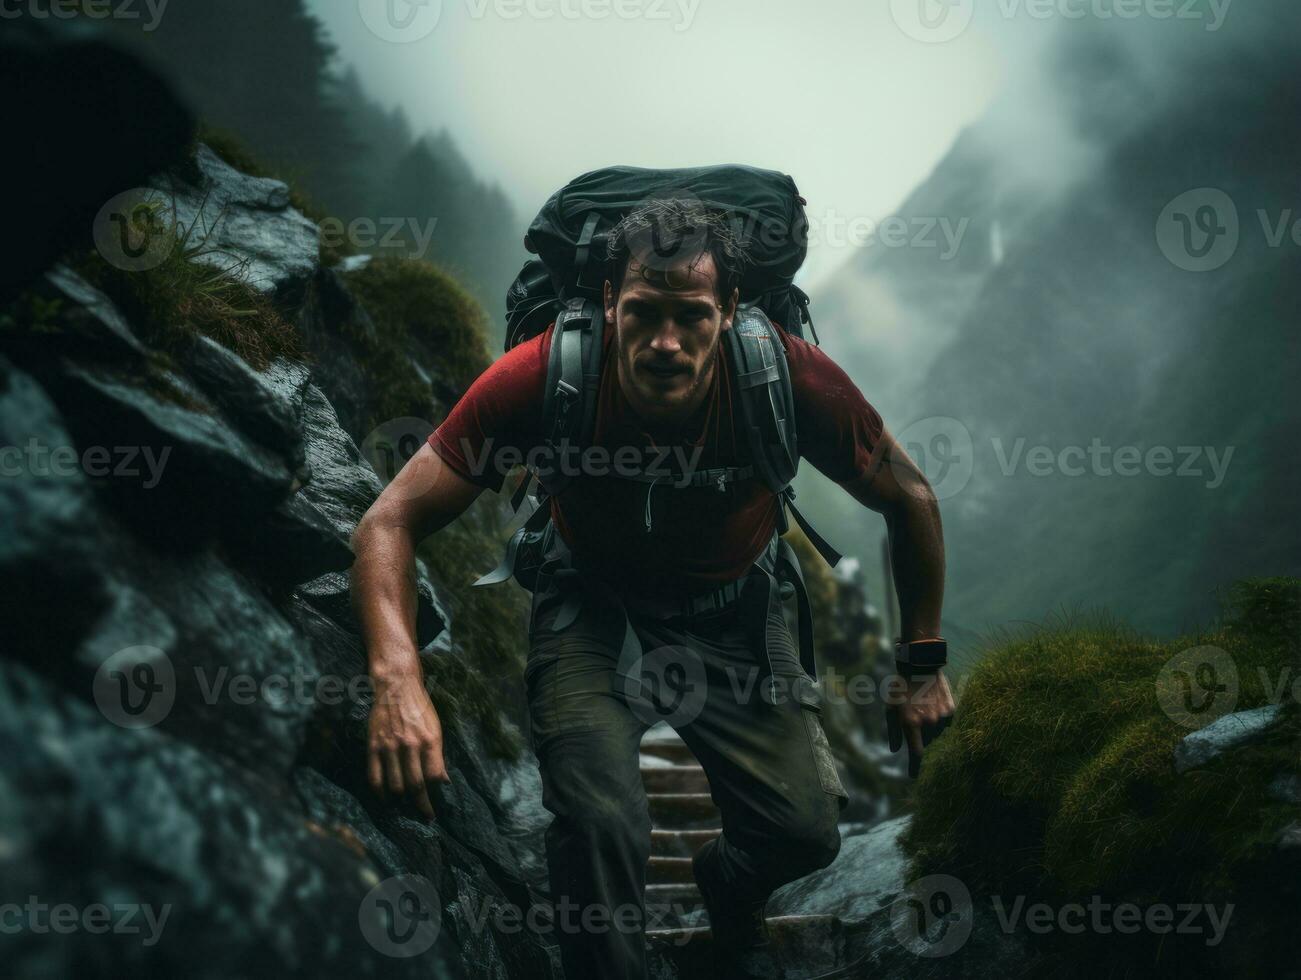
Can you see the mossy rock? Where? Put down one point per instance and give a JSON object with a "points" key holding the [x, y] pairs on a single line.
{"points": [[415, 304], [1057, 778]]}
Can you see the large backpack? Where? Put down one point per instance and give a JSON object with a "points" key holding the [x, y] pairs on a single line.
{"points": [[564, 285]]}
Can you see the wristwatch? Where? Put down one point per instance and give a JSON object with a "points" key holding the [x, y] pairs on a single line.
{"points": [[920, 656]]}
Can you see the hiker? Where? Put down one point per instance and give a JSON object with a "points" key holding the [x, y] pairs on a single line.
{"points": [[658, 585]]}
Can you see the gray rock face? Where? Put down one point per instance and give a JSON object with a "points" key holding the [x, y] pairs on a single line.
{"points": [[270, 413], [44, 552], [845, 888], [183, 693], [245, 223], [1226, 732]]}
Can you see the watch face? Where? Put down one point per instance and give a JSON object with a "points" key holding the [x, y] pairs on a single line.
{"points": [[924, 652]]}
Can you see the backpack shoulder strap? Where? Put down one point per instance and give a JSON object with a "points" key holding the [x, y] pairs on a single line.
{"points": [[573, 380], [763, 387]]}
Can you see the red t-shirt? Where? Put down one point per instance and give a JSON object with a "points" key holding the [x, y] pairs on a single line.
{"points": [[699, 537]]}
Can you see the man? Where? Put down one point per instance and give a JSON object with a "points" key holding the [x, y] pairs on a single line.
{"points": [[622, 552]]}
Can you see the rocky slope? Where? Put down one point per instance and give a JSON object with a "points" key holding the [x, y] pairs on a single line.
{"points": [[184, 685]]}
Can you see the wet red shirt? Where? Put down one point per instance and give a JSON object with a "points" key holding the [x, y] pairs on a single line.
{"points": [[699, 537]]}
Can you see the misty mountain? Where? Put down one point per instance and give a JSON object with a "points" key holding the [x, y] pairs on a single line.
{"points": [[1074, 317]]}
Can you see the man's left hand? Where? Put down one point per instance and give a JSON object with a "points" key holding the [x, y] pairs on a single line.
{"points": [[923, 713]]}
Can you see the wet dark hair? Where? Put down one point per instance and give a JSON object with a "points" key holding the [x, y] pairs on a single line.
{"points": [[659, 235]]}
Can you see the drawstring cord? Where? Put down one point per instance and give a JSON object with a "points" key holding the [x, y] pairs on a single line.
{"points": [[647, 516]]}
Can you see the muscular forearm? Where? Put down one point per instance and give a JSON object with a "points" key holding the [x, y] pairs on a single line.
{"points": [[917, 560], [384, 598]]}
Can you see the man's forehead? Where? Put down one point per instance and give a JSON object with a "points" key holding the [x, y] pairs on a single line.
{"points": [[690, 278]]}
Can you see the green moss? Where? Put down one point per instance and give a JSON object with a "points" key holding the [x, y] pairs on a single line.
{"points": [[185, 294], [1057, 777], [488, 674], [413, 300], [414, 304], [31, 312]]}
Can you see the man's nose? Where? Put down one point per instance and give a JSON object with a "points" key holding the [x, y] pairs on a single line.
{"points": [[666, 338]]}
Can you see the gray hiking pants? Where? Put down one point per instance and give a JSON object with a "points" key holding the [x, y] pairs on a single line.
{"points": [[600, 672]]}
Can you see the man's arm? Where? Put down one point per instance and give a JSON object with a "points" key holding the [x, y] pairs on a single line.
{"points": [[895, 488], [405, 746]]}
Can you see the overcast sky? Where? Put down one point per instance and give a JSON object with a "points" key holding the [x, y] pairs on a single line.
{"points": [[835, 92]]}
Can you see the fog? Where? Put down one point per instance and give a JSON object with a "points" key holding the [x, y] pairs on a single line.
{"points": [[836, 94]]}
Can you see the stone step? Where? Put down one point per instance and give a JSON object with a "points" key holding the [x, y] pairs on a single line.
{"points": [[680, 896], [682, 811], [675, 779], [803, 947], [679, 843], [666, 870], [670, 749]]}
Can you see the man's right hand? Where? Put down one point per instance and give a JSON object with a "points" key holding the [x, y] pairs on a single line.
{"points": [[406, 742]]}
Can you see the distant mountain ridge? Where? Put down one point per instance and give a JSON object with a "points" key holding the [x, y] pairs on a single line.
{"points": [[1063, 323]]}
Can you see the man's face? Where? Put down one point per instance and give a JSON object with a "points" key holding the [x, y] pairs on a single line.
{"points": [[667, 329]]}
